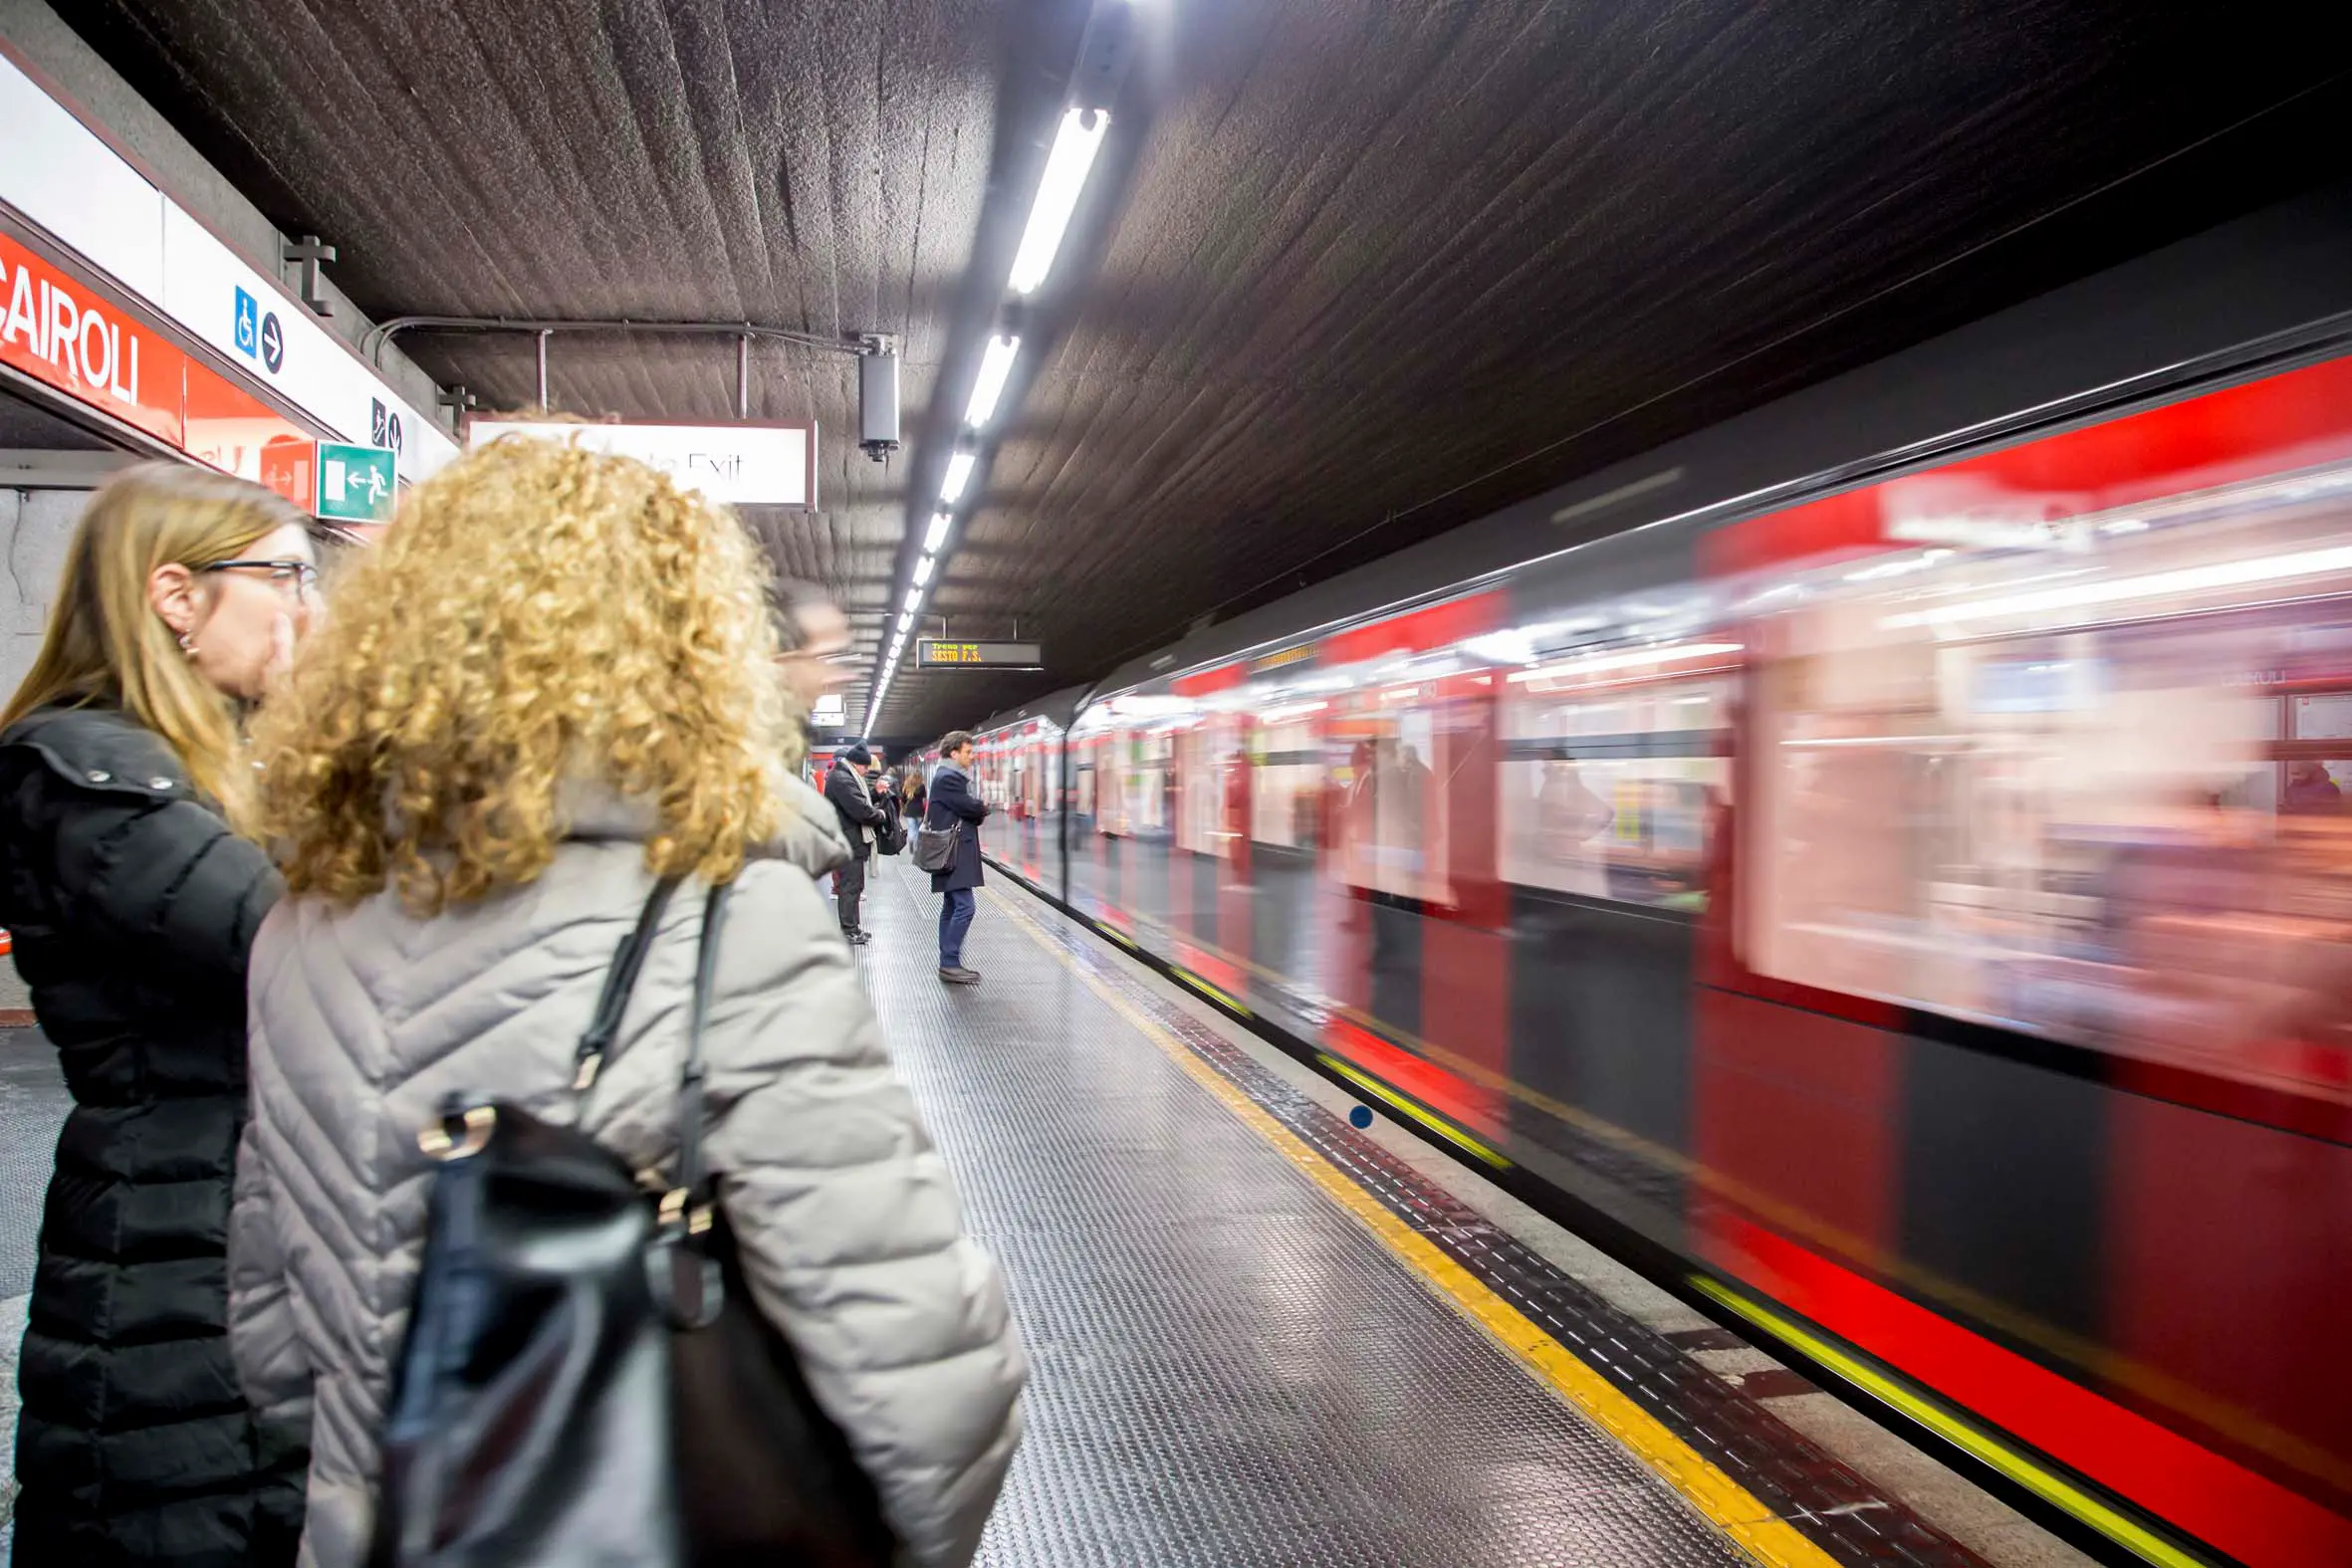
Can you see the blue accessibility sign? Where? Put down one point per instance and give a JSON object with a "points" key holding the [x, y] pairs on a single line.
{"points": [[248, 324]]}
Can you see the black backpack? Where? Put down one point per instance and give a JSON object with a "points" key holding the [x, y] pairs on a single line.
{"points": [[585, 1372]]}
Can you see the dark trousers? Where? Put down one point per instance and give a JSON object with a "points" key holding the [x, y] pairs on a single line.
{"points": [[848, 888], [955, 918]]}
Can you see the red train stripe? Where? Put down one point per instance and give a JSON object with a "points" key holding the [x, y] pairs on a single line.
{"points": [[2250, 1517]]}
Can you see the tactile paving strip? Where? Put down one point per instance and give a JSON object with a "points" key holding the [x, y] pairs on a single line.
{"points": [[1228, 1369], [1845, 1513]]}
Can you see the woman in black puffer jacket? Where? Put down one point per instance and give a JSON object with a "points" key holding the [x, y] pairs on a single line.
{"points": [[133, 905]]}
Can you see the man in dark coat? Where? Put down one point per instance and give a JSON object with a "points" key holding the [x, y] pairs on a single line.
{"points": [[132, 907], [953, 799], [854, 803]]}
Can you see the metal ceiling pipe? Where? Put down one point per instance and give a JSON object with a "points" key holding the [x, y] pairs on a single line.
{"points": [[544, 336], [743, 377], [373, 341]]}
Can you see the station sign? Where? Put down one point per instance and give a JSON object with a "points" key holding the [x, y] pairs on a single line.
{"points": [[56, 328], [944, 655], [69, 181], [762, 465]]}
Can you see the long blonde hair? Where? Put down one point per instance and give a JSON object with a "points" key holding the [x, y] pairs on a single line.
{"points": [[105, 643], [538, 616]]}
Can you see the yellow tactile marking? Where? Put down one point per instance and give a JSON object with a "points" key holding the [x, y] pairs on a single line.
{"points": [[1722, 1500]]}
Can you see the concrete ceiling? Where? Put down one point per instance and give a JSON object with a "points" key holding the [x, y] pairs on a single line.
{"points": [[1350, 272]]}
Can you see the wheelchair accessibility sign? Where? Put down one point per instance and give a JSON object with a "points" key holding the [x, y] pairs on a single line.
{"points": [[259, 337]]}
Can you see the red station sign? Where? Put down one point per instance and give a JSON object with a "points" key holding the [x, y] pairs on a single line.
{"points": [[56, 328]]}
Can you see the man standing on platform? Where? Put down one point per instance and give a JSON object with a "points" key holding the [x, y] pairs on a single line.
{"points": [[854, 803], [954, 801]]}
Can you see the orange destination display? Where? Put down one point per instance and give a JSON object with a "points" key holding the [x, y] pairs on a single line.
{"points": [[945, 655]]}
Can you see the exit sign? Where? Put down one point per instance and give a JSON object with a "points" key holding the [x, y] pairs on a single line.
{"points": [[354, 483], [331, 480], [944, 655]]}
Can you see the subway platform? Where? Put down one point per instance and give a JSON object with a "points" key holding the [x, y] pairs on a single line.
{"points": [[1263, 1336]]}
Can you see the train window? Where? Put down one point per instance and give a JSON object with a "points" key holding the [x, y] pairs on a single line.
{"points": [[2088, 788], [1286, 788], [1613, 791], [1392, 807]]}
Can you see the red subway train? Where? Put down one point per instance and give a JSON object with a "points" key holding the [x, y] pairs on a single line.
{"points": [[1886, 862]]}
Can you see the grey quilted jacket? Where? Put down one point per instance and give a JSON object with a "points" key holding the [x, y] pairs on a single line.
{"points": [[362, 1018]]}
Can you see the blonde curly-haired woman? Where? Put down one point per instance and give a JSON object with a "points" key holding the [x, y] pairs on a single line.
{"points": [[553, 683]]}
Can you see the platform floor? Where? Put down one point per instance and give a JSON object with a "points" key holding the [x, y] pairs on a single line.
{"points": [[1261, 1336]]}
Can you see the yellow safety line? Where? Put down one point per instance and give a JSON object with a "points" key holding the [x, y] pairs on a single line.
{"points": [[1726, 1505], [2042, 1482], [1427, 1118], [1209, 991]]}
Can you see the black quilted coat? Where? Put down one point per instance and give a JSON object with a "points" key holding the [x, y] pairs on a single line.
{"points": [[132, 906]]}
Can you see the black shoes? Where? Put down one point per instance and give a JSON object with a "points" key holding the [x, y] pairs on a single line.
{"points": [[854, 937], [960, 976]]}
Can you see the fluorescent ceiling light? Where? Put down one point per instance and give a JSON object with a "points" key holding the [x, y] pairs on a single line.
{"points": [[959, 474], [1674, 652], [1074, 151], [2157, 584], [914, 601], [996, 363], [923, 571], [940, 523], [906, 618]]}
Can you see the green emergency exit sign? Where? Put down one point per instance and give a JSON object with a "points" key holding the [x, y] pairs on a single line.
{"points": [[354, 483]]}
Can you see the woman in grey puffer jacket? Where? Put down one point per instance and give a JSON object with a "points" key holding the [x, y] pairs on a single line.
{"points": [[552, 683]]}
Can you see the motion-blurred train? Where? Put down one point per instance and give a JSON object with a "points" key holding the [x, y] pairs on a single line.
{"points": [[1885, 863]]}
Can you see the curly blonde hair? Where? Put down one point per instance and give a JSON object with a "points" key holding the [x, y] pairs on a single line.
{"points": [[538, 616]]}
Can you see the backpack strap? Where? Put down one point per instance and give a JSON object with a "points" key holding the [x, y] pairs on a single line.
{"points": [[686, 1273], [690, 1173], [620, 979]]}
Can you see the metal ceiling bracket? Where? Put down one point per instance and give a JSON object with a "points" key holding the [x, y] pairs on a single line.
{"points": [[310, 251]]}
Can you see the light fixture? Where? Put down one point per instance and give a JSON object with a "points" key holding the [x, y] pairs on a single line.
{"points": [[1074, 145], [996, 363], [2187, 579], [924, 569], [1588, 664], [914, 601], [959, 474], [940, 523], [905, 619]]}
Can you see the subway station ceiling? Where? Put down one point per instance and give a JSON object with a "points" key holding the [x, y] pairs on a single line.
{"points": [[1349, 271]]}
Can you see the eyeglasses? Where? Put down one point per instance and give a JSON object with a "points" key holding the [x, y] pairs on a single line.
{"points": [[299, 577]]}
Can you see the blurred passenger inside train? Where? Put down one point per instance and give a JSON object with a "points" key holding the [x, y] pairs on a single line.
{"points": [[956, 806], [133, 907], [2311, 789], [850, 790], [483, 833], [1568, 814]]}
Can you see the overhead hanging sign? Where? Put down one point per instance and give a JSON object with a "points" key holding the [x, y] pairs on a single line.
{"points": [[741, 465], [943, 655]]}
